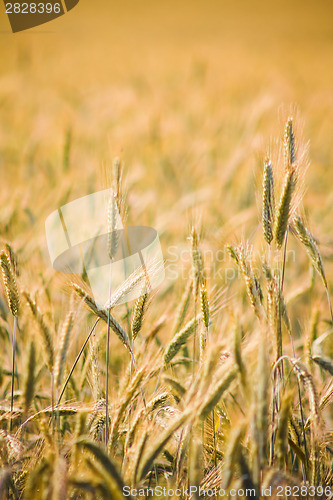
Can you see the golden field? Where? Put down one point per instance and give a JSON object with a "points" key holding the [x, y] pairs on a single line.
{"points": [[192, 98]]}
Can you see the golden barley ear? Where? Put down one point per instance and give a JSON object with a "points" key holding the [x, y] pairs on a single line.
{"points": [[102, 314], [204, 306], [197, 263], [117, 175], [9, 282], [307, 239], [183, 307], [113, 234], [61, 357], [268, 202], [179, 340], [215, 392], [253, 288]]}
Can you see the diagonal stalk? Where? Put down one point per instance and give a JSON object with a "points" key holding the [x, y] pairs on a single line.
{"points": [[76, 360]]}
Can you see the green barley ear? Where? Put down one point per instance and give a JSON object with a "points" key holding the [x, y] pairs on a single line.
{"points": [[30, 379], [267, 271], [9, 283], [268, 202], [232, 251], [139, 311], [289, 144], [307, 239], [283, 211]]}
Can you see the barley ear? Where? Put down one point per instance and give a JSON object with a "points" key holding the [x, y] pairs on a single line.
{"points": [[179, 340], [60, 361], [289, 144], [214, 394], [9, 283], [283, 210], [268, 202], [204, 306], [307, 239], [197, 264], [139, 311], [113, 234], [183, 307]]}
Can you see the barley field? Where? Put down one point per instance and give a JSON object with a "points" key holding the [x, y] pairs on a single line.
{"points": [[212, 122]]}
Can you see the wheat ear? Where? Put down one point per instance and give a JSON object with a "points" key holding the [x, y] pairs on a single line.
{"points": [[283, 210], [13, 303], [268, 202]]}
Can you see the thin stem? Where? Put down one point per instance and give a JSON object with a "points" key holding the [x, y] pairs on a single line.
{"points": [[329, 302], [76, 360], [284, 259], [52, 401], [107, 366], [294, 354], [214, 437], [194, 337], [13, 369], [302, 414]]}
